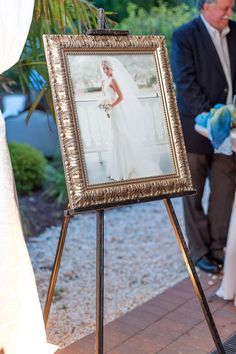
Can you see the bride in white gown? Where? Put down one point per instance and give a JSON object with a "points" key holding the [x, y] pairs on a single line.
{"points": [[21, 322], [227, 290], [128, 156]]}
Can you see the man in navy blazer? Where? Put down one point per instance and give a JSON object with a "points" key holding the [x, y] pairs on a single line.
{"points": [[203, 59]]}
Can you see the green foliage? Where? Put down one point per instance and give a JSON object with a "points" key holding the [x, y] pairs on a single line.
{"points": [[51, 17], [160, 20], [56, 186], [29, 167], [120, 8], [26, 225]]}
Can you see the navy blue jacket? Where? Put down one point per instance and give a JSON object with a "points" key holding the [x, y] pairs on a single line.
{"points": [[199, 77]]}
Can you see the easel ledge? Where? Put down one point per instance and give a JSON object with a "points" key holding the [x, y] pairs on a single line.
{"points": [[107, 32], [71, 212]]}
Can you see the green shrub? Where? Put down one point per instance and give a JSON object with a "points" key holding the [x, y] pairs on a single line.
{"points": [[161, 20], [55, 187], [29, 167]]}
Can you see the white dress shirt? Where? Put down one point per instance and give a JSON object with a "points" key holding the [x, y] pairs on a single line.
{"points": [[220, 42]]}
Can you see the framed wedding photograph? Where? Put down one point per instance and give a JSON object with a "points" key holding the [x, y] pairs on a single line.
{"points": [[117, 117]]}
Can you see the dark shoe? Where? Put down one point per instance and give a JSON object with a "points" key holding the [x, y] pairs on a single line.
{"points": [[207, 265], [217, 257]]}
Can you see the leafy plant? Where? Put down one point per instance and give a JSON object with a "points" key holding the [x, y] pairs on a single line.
{"points": [[26, 224], [120, 8], [161, 20], [55, 186], [29, 167], [51, 17]]}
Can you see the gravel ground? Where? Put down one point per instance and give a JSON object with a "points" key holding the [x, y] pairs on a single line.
{"points": [[142, 259]]}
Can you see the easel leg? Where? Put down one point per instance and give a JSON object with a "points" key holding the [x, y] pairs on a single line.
{"points": [[99, 282], [193, 276], [57, 261]]}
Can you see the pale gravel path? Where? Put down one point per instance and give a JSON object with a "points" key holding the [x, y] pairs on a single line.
{"points": [[142, 259]]}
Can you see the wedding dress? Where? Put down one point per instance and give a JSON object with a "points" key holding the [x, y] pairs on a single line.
{"points": [[227, 290], [129, 153], [21, 323], [121, 159]]}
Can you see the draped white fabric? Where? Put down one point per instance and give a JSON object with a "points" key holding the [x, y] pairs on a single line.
{"points": [[227, 289], [15, 19], [21, 323]]}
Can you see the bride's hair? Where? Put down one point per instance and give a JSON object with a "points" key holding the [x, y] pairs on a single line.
{"points": [[107, 63], [121, 75]]}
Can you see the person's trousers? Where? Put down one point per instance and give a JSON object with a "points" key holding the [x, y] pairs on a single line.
{"points": [[207, 231]]}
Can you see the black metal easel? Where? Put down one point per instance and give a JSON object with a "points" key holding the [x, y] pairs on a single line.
{"points": [[69, 213]]}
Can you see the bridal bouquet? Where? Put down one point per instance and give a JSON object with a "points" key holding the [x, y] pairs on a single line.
{"points": [[106, 106]]}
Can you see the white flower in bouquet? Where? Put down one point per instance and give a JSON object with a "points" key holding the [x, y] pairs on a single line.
{"points": [[106, 106]]}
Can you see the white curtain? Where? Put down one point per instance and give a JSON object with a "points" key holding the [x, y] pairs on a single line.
{"points": [[21, 323], [15, 20]]}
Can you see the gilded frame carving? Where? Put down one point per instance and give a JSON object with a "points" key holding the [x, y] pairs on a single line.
{"points": [[83, 194]]}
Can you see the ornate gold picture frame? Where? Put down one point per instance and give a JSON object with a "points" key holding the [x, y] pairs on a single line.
{"points": [[116, 112]]}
